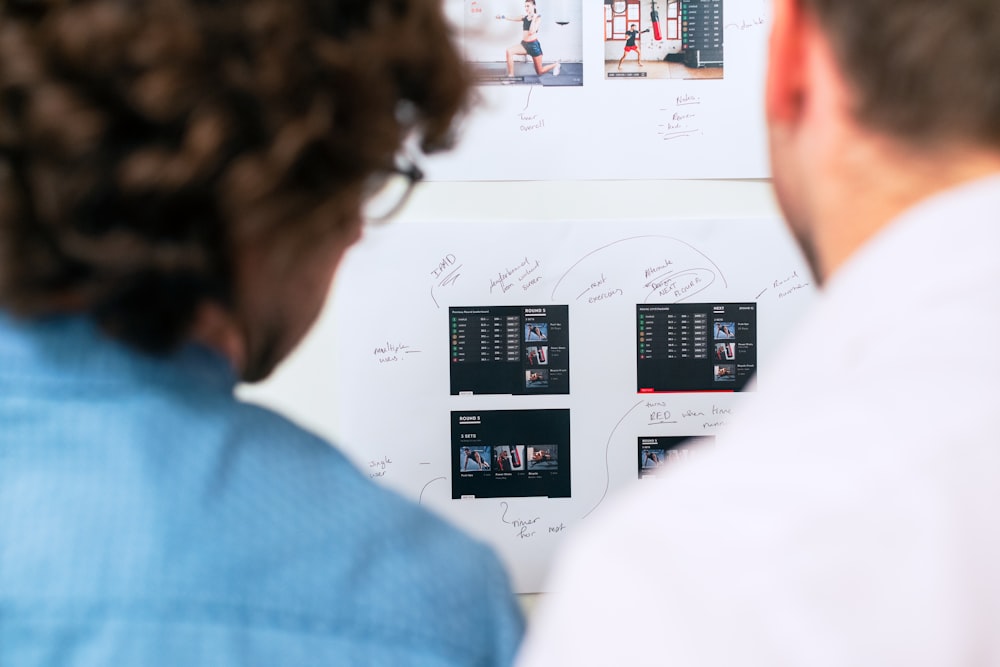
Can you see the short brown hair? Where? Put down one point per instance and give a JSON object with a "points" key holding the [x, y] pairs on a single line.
{"points": [[922, 70], [141, 141]]}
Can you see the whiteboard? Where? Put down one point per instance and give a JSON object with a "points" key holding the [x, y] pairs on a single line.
{"points": [[390, 315]]}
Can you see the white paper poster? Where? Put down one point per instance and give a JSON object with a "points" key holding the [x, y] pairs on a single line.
{"points": [[512, 376], [691, 107]]}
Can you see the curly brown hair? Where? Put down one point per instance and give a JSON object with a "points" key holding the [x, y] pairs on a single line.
{"points": [[141, 142]]}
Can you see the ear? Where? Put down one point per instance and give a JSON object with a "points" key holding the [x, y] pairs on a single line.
{"points": [[786, 81]]}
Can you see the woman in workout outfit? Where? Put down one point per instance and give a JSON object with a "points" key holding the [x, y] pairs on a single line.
{"points": [[529, 45]]}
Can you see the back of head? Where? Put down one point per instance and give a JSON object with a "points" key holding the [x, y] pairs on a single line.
{"points": [[922, 71], [142, 144]]}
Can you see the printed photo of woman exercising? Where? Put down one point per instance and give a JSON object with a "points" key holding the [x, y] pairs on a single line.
{"points": [[529, 45]]}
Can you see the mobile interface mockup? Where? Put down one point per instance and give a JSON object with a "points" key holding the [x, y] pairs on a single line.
{"points": [[659, 452], [510, 453], [691, 347], [509, 350]]}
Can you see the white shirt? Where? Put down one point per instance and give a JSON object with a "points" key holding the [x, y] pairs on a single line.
{"points": [[849, 516]]}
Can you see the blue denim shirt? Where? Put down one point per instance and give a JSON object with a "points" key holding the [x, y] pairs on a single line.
{"points": [[147, 517]]}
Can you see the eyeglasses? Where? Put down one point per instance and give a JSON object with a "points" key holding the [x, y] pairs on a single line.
{"points": [[386, 192]]}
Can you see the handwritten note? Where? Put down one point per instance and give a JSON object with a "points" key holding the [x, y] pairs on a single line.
{"points": [[746, 24], [786, 286], [390, 353], [681, 286], [658, 413], [680, 119], [524, 273], [713, 420], [599, 290], [531, 122], [790, 284], [445, 273], [378, 467], [524, 528]]}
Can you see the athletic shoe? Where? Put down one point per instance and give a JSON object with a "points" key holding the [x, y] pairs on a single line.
{"points": [[555, 70]]}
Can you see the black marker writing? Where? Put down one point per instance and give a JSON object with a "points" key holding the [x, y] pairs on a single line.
{"points": [[523, 526]]}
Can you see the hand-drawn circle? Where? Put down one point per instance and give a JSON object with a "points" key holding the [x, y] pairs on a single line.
{"points": [[680, 286], [648, 249]]}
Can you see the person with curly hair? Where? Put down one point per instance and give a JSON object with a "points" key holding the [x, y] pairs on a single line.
{"points": [[178, 182]]}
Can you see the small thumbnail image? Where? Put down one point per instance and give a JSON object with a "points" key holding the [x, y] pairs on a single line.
{"points": [[658, 454], [512, 42], [475, 458], [725, 351], [536, 379], [653, 458], [645, 40], [725, 330], [725, 373], [508, 458], [534, 331], [538, 355], [543, 457]]}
